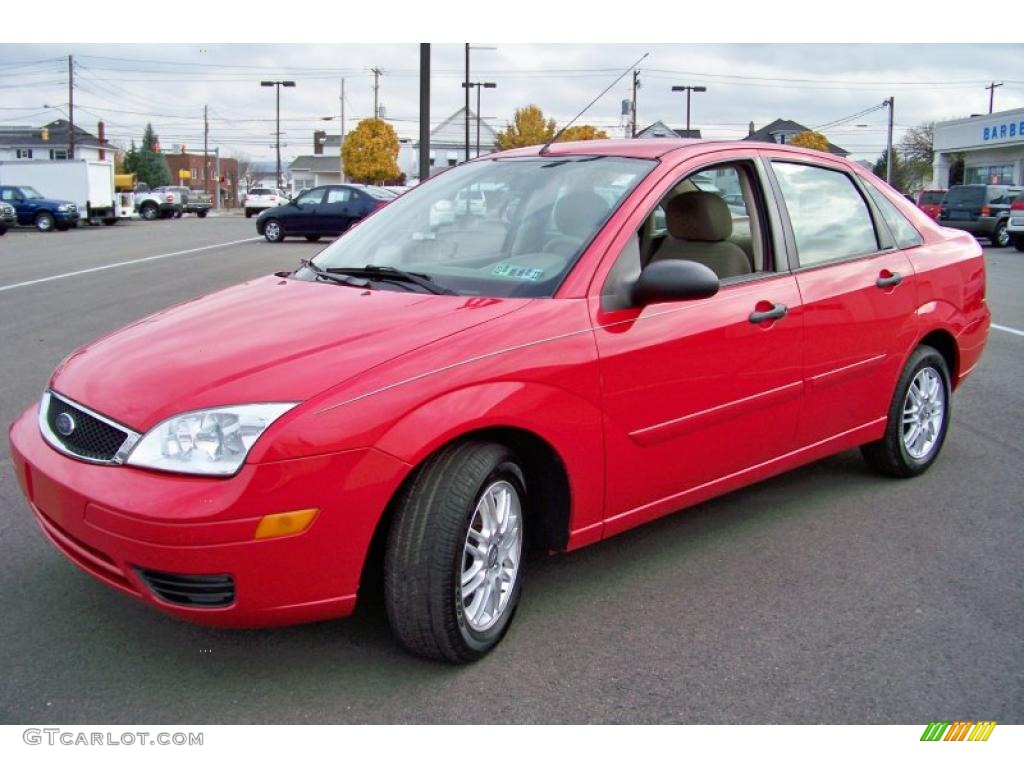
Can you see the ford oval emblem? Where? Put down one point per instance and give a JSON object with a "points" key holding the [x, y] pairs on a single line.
{"points": [[64, 424]]}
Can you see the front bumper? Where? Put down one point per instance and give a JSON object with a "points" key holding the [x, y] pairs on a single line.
{"points": [[112, 521], [67, 216]]}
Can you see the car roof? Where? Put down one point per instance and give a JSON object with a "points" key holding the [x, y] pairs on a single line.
{"points": [[649, 149]]}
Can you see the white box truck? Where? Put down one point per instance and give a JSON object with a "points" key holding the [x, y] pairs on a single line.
{"points": [[89, 184]]}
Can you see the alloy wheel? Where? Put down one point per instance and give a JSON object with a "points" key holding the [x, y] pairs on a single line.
{"points": [[924, 409], [491, 555]]}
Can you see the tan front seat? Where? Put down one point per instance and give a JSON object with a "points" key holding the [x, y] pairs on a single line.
{"points": [[576, 216], [699, 226]]}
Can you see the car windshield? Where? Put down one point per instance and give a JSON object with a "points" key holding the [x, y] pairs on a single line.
{"points": [[528, 221], [30, 193]]}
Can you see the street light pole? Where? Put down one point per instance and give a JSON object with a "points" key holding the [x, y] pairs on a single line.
{"points": [[478, 86], [277, 85], [891, 104], [688, 89], [466, 86]]}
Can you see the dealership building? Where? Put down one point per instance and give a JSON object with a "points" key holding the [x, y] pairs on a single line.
{"points": [[992, 146]]}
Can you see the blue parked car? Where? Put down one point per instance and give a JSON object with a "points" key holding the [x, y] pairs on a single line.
{"points": [[32, 209]]}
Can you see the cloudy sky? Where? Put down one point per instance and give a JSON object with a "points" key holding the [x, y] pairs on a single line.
{"points": [[128, 85]]}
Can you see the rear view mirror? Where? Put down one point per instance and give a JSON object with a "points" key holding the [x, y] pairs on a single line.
{"points": [[674, 280]]}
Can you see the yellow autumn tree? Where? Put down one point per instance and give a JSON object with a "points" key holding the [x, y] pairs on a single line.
{"points": [[527, 128], [370, 152], [582, 133], [810, 140]]}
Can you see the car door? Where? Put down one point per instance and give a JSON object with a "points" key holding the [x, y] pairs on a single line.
{"points": [[696, 393], [300, 216], [858, 292], [336, 213]]}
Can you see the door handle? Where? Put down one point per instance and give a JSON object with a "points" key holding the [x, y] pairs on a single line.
{"points": [[888, 279], [777, 312]]}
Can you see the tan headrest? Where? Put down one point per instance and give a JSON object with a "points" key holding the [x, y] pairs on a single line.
{"points": [[701, 216], [578, 213]]}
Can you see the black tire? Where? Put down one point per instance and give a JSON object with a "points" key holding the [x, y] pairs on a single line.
{"points": [[110, 221], [1018, 242], [425, 551], [3, 229], [1000, 237], [45, 222], [201, 214], [248, 213], [177, 214], [150, 211], [890, 455], [273, 231], [312, 238]]}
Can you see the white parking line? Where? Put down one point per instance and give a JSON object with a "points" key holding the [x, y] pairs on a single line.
{"points": [[1014, 331], [117, 264]]}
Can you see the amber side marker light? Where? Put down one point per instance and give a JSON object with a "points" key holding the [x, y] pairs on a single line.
{"points": [[285, 523]]}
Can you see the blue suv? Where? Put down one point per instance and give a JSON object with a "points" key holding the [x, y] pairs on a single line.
{"points": [[32, 209]]}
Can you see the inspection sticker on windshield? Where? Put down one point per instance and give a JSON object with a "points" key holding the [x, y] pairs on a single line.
{"points": [[518, 273]]}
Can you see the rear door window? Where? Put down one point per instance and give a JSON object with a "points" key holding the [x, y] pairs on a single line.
{"points": [[829, 217], [904, 232]]}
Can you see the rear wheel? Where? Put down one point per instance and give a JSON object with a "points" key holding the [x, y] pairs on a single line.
{"points": [[1018, 242], [44, 221], [248, 213], [150, 211], [110, 221], [312, 238], [201, 214], [918, 417], [1000, 237], [453, 567], [273, 231]]}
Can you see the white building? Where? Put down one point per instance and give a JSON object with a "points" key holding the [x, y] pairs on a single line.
{"points": [[308, 171], [50, 142], [992, 146], [448, 145]]}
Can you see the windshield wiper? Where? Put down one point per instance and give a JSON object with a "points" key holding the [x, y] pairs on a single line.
{"points": [[393, 273], [340, 278]]}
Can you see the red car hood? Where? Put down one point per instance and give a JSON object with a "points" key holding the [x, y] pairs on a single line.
{"points": [[267, 340]]}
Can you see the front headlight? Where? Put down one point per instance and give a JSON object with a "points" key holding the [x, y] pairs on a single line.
{"points": [[62, 207], [214, 441]]}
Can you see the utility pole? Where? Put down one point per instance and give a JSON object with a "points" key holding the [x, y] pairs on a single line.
{"points": [[341, 138], [478, 86], [216, 170], [376, 89], [689, 89], [636, 85], [71, 108], [992, 94], [891, 103], [206, 153], [425, 112], [466, 88]]}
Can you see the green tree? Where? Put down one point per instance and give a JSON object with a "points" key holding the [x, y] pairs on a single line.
{"points": [[810, 140], [527, 128], [370, 152], [901, 179], [146, 162]]}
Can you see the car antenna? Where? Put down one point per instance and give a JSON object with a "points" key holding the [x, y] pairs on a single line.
{"points": [[544, 149]]}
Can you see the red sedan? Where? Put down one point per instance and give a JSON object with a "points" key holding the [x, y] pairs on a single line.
{"points": [[621, 330]]}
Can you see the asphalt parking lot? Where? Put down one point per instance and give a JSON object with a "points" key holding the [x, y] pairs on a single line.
{"points": [[826, 595]]}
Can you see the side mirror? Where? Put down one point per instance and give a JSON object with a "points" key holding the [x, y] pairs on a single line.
{"points": [[674, 280]]}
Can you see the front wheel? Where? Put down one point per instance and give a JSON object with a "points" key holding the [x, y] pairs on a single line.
{"points": [[1001, 238], [453, 567], [273, 231], [150, 212], [918, 417], [45, 222]]}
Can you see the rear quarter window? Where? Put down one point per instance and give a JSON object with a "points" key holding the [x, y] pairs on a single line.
{"points": [[902, 230]]}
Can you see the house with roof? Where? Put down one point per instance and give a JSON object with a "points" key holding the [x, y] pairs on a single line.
{"points": [[659, 130], [782, 131], [308, 171], [50, 142], [448, 144]]}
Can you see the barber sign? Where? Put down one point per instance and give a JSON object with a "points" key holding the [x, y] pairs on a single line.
{"points": [[1002, 131]]}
